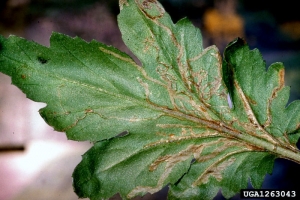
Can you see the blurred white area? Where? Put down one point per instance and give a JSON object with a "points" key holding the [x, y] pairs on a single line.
{"points": [[44, 169], [14, 113]]}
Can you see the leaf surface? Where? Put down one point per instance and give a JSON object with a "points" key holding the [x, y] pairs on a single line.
{"points": [[173, 112]]}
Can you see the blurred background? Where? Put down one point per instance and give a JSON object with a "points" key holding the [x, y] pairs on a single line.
{"points": [[37, 162]]}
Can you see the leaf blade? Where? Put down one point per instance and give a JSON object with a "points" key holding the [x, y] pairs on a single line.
{"points": [[65, 112], [267, 110]]}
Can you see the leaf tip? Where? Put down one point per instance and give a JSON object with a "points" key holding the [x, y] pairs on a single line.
{"points": [[237, 42], [122, 3], [57, 36], [152, 9]]}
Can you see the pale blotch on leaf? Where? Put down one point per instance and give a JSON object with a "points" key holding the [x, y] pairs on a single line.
{"points": [[215, 172], [151, 9], [122, 3]]}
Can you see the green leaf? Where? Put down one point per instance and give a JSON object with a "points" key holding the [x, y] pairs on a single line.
{"points": [[176, 124]]}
